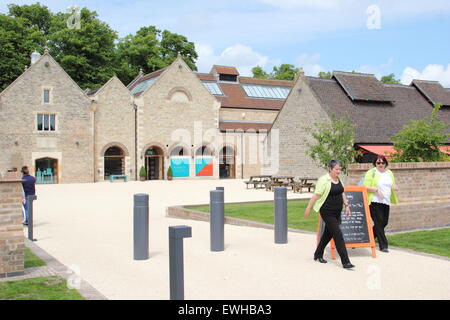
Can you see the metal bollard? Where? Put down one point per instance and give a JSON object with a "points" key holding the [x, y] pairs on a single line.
{"points": [[223, 189], [281, 226], [217, 220], [176, 264], [30, 200], [140, 226]]}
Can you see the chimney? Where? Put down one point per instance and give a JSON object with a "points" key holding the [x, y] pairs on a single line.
{"points": [[35, 56]]}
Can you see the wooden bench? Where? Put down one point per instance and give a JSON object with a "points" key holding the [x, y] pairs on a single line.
{"points": [[118, 176]]}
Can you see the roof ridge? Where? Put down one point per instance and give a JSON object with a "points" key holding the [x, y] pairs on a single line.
{"points": [[357, 74]]}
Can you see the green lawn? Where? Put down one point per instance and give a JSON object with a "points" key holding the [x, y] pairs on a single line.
{"points": [[48, 288], [263, 212], [432, 241], [32, 260], [429, 241]]}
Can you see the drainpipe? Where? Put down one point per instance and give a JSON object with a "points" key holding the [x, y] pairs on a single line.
{"points": [[94, 128], [242, 154], [135, 142]]}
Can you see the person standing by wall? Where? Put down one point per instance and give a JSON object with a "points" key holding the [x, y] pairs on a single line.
{"points": [[329, 199], [28, 183], [381, 187]]}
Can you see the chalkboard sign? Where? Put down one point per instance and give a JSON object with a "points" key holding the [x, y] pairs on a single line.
{"points": [[357, 228]]}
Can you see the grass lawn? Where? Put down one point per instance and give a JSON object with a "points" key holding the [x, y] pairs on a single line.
{"points": [[32, 260], [47, 288], [263, 212], [429, 241]]}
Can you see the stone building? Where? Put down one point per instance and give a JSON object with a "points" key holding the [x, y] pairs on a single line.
{"points": [[204, 126], [378, 110], [47, 124]]}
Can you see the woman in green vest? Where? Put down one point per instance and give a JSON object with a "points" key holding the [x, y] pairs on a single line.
{"points": [[329, 199], [381, 188]]}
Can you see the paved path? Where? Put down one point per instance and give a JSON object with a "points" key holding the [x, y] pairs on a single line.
{"points": [[89, 226]]}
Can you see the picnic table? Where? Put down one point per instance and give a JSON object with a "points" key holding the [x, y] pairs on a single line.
{"points": [[304, 182], [258, 181], [279, 181]]}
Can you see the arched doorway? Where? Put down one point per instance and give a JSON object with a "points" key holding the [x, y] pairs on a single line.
{"points": [[227, 168], [46, 170], [204, 162], [180, 162], [154, 163], [114, 161]]}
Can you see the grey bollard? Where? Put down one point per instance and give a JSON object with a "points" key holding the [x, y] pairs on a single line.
{"points": [[281, 226], [223, 189], [217, 220], [30, 200], [176, 263], [140, 226]]}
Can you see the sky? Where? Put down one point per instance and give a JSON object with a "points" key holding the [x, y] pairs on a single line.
{"points": [[408, 38]]}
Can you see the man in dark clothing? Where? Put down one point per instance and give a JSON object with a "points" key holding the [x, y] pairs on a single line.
{"points": [[28, 183]]}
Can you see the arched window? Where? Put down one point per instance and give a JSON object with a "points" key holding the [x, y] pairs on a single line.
{"points": [[114, 161], [179, 151], [203, 151]]}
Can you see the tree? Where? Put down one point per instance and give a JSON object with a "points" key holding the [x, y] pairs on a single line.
{"points": [[420, 140], [86, 54], [17, 42], [150, 50], [324, 75], [259, 73], [333, 140], [36, 16], [283, 72], [389, 79]]}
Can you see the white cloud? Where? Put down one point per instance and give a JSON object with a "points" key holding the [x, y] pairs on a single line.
{"points": [[310, 64], [289, 4], [377, 70], [244, 58], [435, 72]]}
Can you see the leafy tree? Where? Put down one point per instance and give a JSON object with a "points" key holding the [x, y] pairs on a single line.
{"points": [[17, 42], [332, 140], [389, 79], [36, 16], [150, 50], [259, 73], [419, 141], [284, 72], [325, 75], [86, 54]]}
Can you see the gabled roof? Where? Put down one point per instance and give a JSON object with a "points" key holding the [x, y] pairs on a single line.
{"points": [[138, 86], [433, 91], [224, 70], [376, 121], [362, 87]]}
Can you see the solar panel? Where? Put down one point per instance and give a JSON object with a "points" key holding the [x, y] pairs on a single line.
{"points": [[213, 88], [271, 92]]}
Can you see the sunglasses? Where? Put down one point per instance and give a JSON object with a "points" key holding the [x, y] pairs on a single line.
{"points": [[379, 162]]}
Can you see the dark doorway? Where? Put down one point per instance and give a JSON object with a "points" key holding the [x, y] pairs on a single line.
{"points": [[154, 163], [227, 163], [46, 170], [114, 161]]}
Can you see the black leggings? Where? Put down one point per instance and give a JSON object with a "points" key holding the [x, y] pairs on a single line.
{"points": [[380, 216], [332, 231]]}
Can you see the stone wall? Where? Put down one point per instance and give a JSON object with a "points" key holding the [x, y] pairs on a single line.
{"points": [[289, 136], [71, 144], [424, 194], [12, 241]]}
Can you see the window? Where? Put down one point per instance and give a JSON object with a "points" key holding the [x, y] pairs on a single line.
{"points": [[263, 91], [228, 77], [46, 122], [46, 96]]}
